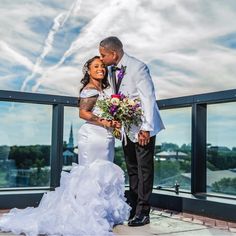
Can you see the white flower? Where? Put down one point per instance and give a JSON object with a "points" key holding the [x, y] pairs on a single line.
{"points": [[131, 102], [115, 101]]}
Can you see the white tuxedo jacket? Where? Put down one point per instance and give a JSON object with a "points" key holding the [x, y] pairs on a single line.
{"points": [[137, 82]]}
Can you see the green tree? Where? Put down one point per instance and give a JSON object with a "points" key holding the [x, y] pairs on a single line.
{"points": [[166, 169], [26, 156], [39, 178], [185, 166], [119, 158], [225, 185], [186, 148], [222, 160], [169, 146]]}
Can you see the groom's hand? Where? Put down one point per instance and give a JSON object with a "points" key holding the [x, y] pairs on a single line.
{"points": [[143, 137]]}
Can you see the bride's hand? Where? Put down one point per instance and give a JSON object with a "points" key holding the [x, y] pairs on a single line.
{"points": [[115, 124], [111, 124]]}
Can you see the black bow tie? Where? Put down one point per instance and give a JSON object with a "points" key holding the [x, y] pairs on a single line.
{"points": [[115, 68]]}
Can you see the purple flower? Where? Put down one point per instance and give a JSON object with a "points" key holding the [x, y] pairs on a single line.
{"points": [[112, 110], [121, 73]]}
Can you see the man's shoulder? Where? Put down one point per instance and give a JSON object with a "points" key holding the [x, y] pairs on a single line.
{"points": [[135, 61]]}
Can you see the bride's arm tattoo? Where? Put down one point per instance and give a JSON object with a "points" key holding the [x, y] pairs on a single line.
{"points": [[87, 104]]}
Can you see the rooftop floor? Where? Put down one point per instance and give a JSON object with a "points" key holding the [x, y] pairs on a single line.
{"points": [[164, 222]]}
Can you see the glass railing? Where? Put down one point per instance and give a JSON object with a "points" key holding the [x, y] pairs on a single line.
{"points": [[25, 143], [221, 149], [72, 123], [172, 160], [196, 151], [119, 159]]}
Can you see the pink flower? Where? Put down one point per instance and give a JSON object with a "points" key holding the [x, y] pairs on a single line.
{"points": [[116, 96]]}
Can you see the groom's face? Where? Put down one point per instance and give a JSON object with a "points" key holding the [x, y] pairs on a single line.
{"points": [[107, 56]]}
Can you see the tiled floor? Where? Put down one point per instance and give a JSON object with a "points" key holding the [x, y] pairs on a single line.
{"points": [[179, 224], [169, 223]]}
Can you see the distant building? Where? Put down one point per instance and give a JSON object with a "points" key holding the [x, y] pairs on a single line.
{"points": [[69, 154], [219, 149], [213, 176], [184, 179], [70, 144], [68, 157], [170, 155]]}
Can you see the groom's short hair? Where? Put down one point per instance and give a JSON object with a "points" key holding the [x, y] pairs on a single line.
{"points": [[111, 43]]}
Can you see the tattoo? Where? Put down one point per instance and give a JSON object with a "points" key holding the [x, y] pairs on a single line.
{"points": [[88, 103], [94, 118]]}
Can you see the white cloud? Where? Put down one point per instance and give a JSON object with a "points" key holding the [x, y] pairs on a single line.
{"points": [[14, 27], [59, 22], [7, 82], [178, 33], [9, 54], [31, 125], [64, 80], [177, 126]]}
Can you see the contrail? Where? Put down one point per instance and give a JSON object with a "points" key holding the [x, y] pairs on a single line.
{"points": [[11, 53], [59, 22], [90, 34]]}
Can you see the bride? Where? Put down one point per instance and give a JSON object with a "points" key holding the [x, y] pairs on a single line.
{"points": [[90, 199]]}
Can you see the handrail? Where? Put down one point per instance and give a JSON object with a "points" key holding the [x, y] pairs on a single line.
{"points": [[183, 101]]}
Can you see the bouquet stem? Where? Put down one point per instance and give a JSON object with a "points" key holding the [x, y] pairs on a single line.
{"points": [[117, 133]]}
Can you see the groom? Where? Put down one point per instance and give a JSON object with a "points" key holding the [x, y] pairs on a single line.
{"points": [[131, 77]]}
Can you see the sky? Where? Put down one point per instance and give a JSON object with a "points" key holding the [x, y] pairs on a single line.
{"points": [[189, 45]]}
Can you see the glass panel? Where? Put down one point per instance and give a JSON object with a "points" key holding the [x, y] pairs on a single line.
{"points": [[25, 141], [120, 159], [72, 123], [173, 150], [221, 148]]}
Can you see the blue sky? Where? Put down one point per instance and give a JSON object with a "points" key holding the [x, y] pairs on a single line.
{"points": [[189, 45]]}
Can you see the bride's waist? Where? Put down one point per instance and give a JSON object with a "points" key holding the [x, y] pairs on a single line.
{"points": [[90, 126]]}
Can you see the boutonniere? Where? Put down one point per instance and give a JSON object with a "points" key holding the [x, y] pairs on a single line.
{"points": [[121, 73]]}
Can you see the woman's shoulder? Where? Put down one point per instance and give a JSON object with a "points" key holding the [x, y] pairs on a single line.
{"points": [[89, 92]]}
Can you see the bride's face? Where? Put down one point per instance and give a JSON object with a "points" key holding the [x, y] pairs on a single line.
{"points": [[97, 69]]}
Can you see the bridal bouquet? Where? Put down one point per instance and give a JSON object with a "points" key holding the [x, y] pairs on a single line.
{"points": [[123, 109]]}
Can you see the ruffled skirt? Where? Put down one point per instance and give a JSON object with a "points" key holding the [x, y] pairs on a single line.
{"points": [[89, 201]]}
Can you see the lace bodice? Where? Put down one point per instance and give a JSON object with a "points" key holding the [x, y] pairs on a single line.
{"points": [[89, 93]]}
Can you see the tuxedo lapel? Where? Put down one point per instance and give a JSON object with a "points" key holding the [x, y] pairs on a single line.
{"points": [[112, 79], [118, 85], [123, 62]]}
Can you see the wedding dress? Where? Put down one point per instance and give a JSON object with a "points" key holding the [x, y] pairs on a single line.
{"points": [[90, 199]]}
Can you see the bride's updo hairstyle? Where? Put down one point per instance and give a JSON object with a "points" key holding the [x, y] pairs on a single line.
{"points": [[86, 78]]}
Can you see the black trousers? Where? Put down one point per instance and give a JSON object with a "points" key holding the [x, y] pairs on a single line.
{"points": [[140, 167]]}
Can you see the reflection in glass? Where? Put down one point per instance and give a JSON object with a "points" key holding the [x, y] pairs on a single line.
{"points": [[25, 139], [72, 123], [120, 159], [221, 148], [172, 160]]}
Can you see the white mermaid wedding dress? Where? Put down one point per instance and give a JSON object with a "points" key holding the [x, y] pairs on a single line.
{"points": [[90, 199]]}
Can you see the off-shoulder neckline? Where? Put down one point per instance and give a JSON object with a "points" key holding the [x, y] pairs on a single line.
{"points": [[92, 88]]}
